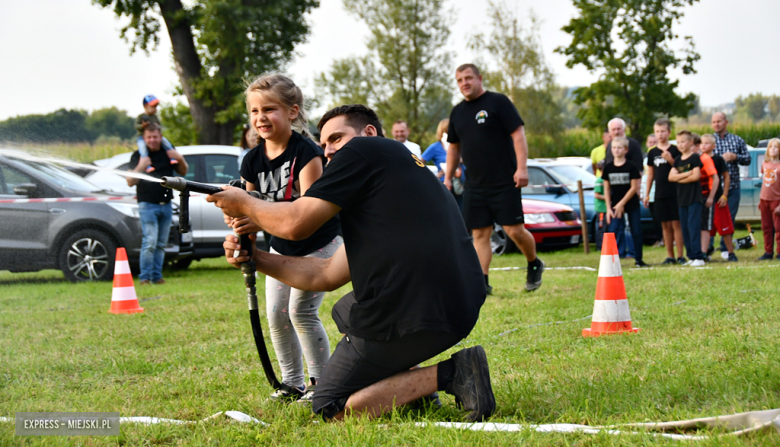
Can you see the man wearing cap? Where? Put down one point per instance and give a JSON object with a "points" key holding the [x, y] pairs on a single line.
{"points": [[142, 122]]}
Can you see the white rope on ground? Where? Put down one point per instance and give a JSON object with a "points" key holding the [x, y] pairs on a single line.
{"points": [[551, 428], [590, 269]]}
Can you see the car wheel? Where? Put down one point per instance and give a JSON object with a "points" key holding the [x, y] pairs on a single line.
{"points": [[499, 241], [88, 255], [181, 264]]}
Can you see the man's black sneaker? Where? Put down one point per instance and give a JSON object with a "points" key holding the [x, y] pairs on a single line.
{"points": [[471, 383], [733, 257], [681, 260], [669, 261], [640, 263], [778, 257], [431, 400], [533, 279], [488, 289], [766, 257], [287, 394], [710, 250]]}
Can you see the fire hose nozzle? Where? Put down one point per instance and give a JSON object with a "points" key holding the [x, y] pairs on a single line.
{"points": [[181, 184]]}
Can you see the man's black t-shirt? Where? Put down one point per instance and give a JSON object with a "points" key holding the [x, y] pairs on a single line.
{"points": [[412, 262], [483, 127], [278, 180], [619, 178], [688, 193], [634, 154], [152, 192], [661, 168], [722, 168]]}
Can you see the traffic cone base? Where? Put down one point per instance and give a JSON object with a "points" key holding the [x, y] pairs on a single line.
{"points": [[610, 308], [123, 297]]}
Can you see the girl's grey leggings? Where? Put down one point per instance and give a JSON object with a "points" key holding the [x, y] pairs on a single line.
{"points": [[296, 329]]}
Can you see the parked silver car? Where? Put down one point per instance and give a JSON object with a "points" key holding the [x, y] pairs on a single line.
{"points": [[212, 164], [51, 218]]}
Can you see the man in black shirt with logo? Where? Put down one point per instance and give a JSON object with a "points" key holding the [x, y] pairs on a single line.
{"points": [[154, 202], [486, 130], [397, 222]]}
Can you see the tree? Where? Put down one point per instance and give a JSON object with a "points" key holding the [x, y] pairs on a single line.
{"points": [[628, 42], [66, 126], [216, 45], [406, 75], [521, 72], [111, 122], [773, 105], [754, 105]]}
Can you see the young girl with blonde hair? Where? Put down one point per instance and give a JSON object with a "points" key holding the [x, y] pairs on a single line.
{"points": [[769, 206], [282, 167]]}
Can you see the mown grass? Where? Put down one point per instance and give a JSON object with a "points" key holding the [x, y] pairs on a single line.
{"points": [[707, 347]]}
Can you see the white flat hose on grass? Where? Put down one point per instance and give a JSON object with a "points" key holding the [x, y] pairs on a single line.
{"points": [[732, 425]]}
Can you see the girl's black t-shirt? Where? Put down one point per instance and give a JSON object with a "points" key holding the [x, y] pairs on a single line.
{"points": [[278, 180]]}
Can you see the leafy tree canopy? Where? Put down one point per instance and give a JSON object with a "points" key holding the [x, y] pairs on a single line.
{"points": [[406, 75], [217, 44], [521, 71], [629, 44]]}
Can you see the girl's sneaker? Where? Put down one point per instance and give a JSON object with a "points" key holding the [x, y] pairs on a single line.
{"points": [[766, 257], [287, 393], [308, 396]]}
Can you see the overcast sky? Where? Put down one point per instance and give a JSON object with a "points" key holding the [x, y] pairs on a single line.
{"points": [[56, 54]]}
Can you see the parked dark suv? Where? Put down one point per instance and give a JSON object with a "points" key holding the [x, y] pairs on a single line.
{"points": [[51, 218]]}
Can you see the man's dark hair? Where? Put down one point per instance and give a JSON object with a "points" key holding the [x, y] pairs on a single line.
{"points": [[357, 116], [152, 127], [664, 122], [467, 66]]}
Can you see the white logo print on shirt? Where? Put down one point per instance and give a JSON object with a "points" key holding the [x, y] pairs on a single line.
{"points": [[620, 178]]}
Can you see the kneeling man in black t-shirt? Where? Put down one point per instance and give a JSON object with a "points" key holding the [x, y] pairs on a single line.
{"points": [[398, 221]]}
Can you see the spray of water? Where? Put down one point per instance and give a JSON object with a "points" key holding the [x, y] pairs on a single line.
{"points": [[59, 161]]}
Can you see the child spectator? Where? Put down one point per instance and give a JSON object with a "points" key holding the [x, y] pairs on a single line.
{"points": [[621, 194], [659, 164], [149, 116], [686, 172], [770, 199], [600, 207], [721, 217], [709, 181], [437, 153]]}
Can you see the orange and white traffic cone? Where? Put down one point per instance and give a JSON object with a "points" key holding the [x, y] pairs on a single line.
{"points": [[123, 297], [610, 309]]}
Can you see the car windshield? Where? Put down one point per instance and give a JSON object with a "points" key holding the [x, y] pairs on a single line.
{"points": [[568, 175], [60, 177]]}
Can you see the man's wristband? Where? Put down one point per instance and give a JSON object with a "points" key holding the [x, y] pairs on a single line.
{"points": [[724, 197]]}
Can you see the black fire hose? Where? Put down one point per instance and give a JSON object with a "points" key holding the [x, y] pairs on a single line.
{"points": [[247, 268]]}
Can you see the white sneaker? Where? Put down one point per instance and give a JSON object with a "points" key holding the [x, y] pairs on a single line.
{"points": [[690, 262], [697, 263]]}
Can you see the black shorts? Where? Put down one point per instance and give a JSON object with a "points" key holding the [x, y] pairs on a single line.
{"points": [[484, 206], [358, 363], [666, 209], [707, 217]]}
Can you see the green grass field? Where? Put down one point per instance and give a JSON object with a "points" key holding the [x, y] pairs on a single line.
{"points": [[706, 348]]}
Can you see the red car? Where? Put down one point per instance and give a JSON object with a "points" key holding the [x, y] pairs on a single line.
{"points": [[553, 225]]}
